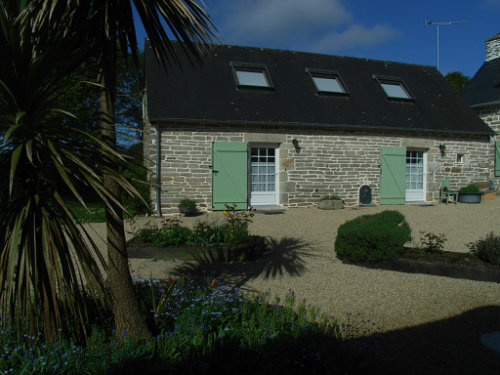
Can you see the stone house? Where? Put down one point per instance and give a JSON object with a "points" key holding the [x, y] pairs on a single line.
{"points": [[265, 127], [482, 92]]}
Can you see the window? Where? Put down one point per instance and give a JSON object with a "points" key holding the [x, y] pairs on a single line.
{"points": [[327, 82], [460, 158], [251, 76], [394, 88]]}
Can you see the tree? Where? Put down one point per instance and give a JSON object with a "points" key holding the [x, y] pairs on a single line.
{"points": [[458, 80], [45, 256], [83, 99], [113, 25]]}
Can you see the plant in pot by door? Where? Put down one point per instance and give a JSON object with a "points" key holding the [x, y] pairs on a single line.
{"points": [[469, 194], [331, 202], [187, 206]]}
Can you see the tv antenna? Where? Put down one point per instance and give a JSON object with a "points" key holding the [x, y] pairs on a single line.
{"points": [[437, 24]]}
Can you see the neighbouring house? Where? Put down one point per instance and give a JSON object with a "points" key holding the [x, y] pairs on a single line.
{"points": [[482, 92], [266, 127]]}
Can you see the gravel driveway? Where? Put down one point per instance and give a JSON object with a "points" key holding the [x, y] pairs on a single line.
{"points": [[302, 259]]}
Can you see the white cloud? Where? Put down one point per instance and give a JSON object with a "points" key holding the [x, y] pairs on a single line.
{"points": [[281, 20], [354, 36], [310, 25]]}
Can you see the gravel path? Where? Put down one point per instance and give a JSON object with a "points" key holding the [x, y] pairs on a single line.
{"points": [[302, 259]]}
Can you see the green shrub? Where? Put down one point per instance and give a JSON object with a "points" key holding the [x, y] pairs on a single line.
{"points": [[207, 234], [487, 249], [471, 188], [430, 243], [172, 235], [373, 238], [188, 204], [146, 235]]}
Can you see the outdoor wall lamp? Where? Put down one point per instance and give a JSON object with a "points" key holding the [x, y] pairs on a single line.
{"points": [[442, 149], [296, 145]]}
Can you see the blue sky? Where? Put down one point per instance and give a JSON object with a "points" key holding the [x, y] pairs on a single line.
{"points": [[391, 30]]}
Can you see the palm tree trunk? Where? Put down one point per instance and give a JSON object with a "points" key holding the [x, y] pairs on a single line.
{"points": [[128, 318]]}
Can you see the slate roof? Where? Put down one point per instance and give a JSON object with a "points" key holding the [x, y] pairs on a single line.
{"points": [[209, 93], [484, 88]]}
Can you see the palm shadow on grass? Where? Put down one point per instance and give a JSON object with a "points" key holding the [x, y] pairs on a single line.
{"points": [[282, 257]]}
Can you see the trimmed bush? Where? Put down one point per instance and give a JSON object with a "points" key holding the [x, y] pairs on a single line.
{"points": [[373, 238], [471, 188], [172, 235], [487, 249]]}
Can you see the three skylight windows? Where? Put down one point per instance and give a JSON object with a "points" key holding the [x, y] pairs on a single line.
{"points": [[325, 81]]}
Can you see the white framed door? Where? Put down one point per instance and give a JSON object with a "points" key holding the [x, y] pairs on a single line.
{"points": [[416, 166], [263, 175]]}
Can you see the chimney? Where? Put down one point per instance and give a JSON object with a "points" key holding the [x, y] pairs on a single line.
{"points": [[492, 47]]}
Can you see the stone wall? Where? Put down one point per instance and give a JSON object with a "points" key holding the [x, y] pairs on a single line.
{"points": [[330, 161], [491, 116], [492, 47]]}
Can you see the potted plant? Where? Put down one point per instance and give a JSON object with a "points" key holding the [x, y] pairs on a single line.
{"points": [[187, 206], [331, 202], [469, 194]]}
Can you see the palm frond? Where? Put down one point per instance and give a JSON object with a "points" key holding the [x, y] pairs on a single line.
{"points": [[46, 257]]}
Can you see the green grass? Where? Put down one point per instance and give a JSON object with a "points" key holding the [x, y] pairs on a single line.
{"points": [[199, 327], [95, 212]]}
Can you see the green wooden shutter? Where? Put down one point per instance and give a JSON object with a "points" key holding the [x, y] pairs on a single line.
{"points": [[392, 175], [229, 175], [497, 159]]}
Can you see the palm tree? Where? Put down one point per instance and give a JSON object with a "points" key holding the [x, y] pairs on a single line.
{"points": [[45, 255], [113, 29]]}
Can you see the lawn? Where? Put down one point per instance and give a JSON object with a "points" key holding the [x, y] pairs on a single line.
{"points": [[95, 212]]}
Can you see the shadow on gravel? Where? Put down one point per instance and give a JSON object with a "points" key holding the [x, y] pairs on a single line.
{"points": [[448, 267], [284, 257], [449, 346]]}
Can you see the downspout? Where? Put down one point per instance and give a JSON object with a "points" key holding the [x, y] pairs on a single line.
{"points": [[158, 170], [145, 120]]}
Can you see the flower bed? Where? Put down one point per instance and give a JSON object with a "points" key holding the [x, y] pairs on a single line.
{"points": [[247, 251]]}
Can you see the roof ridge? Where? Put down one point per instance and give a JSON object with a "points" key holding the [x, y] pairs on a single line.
{"points": [[280, 50]]}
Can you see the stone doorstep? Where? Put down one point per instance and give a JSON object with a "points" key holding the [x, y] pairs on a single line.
{"points": [[330, 204]]}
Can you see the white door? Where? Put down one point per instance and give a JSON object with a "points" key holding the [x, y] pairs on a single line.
{"points": [[263, 175], [415, 175]]}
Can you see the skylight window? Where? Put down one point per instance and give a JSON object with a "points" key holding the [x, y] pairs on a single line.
{"points": [[251, 76], [327, 82], [248, 78], [394, 88]]}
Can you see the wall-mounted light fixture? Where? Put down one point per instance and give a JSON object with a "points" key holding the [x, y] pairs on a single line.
{"points": [[296, 145], [442, 149]]}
